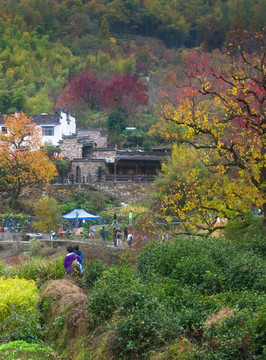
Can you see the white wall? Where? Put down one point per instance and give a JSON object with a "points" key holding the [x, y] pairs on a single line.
{"points": [[67, 126]]}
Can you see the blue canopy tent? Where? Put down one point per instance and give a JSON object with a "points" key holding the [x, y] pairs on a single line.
{"points": [[80, 215]]}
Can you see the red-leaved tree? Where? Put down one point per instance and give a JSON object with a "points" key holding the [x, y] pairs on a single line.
{"points": [[83, 89], [124, 93]]}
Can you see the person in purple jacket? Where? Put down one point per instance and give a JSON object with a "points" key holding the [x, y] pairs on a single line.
{"points": [[69, 258]]}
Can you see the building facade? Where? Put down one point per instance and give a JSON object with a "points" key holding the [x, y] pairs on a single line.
{"points": [[53, 126]]}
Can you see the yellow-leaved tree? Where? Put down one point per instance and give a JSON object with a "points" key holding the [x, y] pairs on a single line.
{"points": [[22, 162], [221, 115]]}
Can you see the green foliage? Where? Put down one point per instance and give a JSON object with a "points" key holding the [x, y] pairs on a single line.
{"points": [[35, 246], [48, 213], [93, 270], [116, 122], [239, 336], [24, 351], [39, 270], [212, 266], [62, 166], [104, 30], [90, 201], [16, 218], [248, 233], [179, 289], [112, 289], [19, 316], [142, 323]]}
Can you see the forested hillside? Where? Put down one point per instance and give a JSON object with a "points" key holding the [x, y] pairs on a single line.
{"points": [[56, 53]]}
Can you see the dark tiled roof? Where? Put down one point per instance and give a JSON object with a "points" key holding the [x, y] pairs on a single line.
{"points": [[144, 157], [52, 119], [46, 119]]}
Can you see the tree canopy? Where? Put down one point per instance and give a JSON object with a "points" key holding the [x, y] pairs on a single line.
{"points": [[22, 162], [221, 114]]}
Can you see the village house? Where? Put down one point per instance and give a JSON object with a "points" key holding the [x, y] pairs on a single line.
{"points": [[88, 151], [93, 160], [53, 126]]}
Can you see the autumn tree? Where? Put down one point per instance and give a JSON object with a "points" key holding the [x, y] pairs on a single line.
{"points": [[82, 90], [222, 116], [48, 213], [22, 162], [124, 92]]}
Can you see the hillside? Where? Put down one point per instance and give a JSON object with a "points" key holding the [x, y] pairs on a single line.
{"points": [[45, 43]]}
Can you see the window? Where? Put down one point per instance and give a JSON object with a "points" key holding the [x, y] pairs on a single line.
{"points": [[4, 129], [48, 131]]}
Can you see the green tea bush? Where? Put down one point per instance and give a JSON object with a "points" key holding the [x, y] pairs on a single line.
{"points": [[238, 337], [248, 234], [142, 325], [24, 351], [244, 271], [176, 288], [211, 266], [93, 270], [141, 319], [110, 292]]}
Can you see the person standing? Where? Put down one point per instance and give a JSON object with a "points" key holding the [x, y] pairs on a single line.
{"points": [[125, 234], [69, 258], [114, 236], [103, 233], [118, 238], [130, 218], [129, 239], [115, 220], [79, 253]]}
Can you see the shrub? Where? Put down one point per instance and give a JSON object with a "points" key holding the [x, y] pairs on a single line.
{"points": [[238, 337], [93, 270], [142, 325], [249, 234], [211, 266], [19, 316], [110, 292], [244, 271], [22, 350]]}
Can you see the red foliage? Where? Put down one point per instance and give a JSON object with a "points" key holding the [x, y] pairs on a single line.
{"points": [[124, 92], [85, 87], [17, 260]]}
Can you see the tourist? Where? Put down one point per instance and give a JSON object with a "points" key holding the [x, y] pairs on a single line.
{"points": [[129, 239], [79, 253], [115, 220], [125, 233], [130, 217], [118, 238], [69, 258], [114, 236], [103, 234]]}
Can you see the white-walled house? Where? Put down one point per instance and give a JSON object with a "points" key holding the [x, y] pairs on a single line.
{"points": [[53, 126]]}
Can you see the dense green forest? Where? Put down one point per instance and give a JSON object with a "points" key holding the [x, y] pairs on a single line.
{"points": [[46, 43]]}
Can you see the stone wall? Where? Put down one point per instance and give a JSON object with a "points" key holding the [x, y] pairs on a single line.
{"points": [[127, 192], [95, 135], [70, 148], [104, 153], [88, 166]]}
